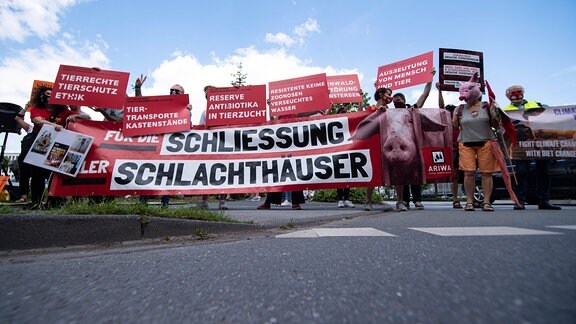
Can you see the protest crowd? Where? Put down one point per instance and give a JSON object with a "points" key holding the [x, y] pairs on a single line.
{"points": [[305, 135]]}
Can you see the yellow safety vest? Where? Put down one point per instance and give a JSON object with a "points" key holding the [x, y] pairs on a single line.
{"points": [[527, 105]]}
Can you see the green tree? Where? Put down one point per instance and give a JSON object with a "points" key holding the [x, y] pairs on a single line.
{"points": [[239, 78], [352, 106]]}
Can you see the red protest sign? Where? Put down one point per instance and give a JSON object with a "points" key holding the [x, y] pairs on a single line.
{"points": [[156, 115], [304, 94], [457, 66], [406, 73], [37, 84], [81, 86], [236, 105], [344, 88]]}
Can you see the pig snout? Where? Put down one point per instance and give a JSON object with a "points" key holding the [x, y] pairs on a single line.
{"points": [[398, 150]]}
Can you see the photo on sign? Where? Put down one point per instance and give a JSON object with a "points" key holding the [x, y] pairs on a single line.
{"points": [[56, 155], [43, 142], [81, 144], [71, 163]]}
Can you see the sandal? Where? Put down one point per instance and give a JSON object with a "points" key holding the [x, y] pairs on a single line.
{"points": [[469, 207], [22, 199], [456, 205], [487, 207]]}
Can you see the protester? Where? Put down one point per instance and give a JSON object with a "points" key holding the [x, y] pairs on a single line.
{"points": [[455, 132], [475, 120], [343, 197], [203, 204], [41, 113], [403, 191], [515, 94], [174, 90], [276, 198], [24, 168], [383, 97]]}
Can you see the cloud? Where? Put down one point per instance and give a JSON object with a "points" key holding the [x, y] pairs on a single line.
{"points": [[18, 71], [261, 67], [280, 39], [305, 29], [21, 19], [299, 32], [568, 70]]}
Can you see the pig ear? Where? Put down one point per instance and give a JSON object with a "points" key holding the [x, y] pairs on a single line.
{"points": [[430, 125], [368, 127], [474, 78]]}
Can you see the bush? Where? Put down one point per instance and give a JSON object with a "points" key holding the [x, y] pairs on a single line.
{"points": [[357, 195]]}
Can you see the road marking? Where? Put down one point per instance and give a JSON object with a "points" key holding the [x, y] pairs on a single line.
{"points": [[570, 227], [481, 231], [333, 232]]}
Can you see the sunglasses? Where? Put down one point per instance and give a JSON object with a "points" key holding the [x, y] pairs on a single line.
{"points": [[175, 91]]}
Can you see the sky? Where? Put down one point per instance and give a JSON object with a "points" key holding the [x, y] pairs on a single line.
{"points": [[198, 43]]}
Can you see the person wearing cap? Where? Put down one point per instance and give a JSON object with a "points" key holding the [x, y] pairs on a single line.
{"points": [[515, 94]]}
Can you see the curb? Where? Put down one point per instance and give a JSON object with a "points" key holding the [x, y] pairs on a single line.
{"points": [[21, 232]]}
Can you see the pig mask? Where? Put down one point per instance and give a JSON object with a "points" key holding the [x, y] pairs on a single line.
{"points": [[470, 91]]}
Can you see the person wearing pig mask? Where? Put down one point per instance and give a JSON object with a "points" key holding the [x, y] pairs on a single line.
{"points": [[475, 120]]}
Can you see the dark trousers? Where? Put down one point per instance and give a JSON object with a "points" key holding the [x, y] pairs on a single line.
{"points": [[343, 193], [522, 167], [38, 183], [276, 198], [416, 191], [25, 168]]}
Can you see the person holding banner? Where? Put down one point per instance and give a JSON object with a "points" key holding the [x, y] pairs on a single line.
{"points": [[403, 191], [383, 97], [203, 204], [515, 94], [42, 112], [174, 90], [455, 132]]}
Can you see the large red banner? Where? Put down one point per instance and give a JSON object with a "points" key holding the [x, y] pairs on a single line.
{"points": [[81, 86], [283, 155], [148, 115], [236, 105], [406, 73], [345, 88], [304, 94]]}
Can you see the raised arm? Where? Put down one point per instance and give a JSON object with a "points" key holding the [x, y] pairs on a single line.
{"points": [[427, 88], [138, 85], [440, 97]]}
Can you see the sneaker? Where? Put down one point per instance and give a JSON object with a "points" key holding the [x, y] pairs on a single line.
{"points": [[401, 207], [419, 205], [257, 198], [202, 205], [348, 204], [340, 204], [387, 207], [296, 207], [407, 204], [368, 206], [222, 205], [285, 203], [263, 206]]}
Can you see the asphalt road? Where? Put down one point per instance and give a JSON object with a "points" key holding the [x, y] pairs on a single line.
{"points": [[438, 265]]}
